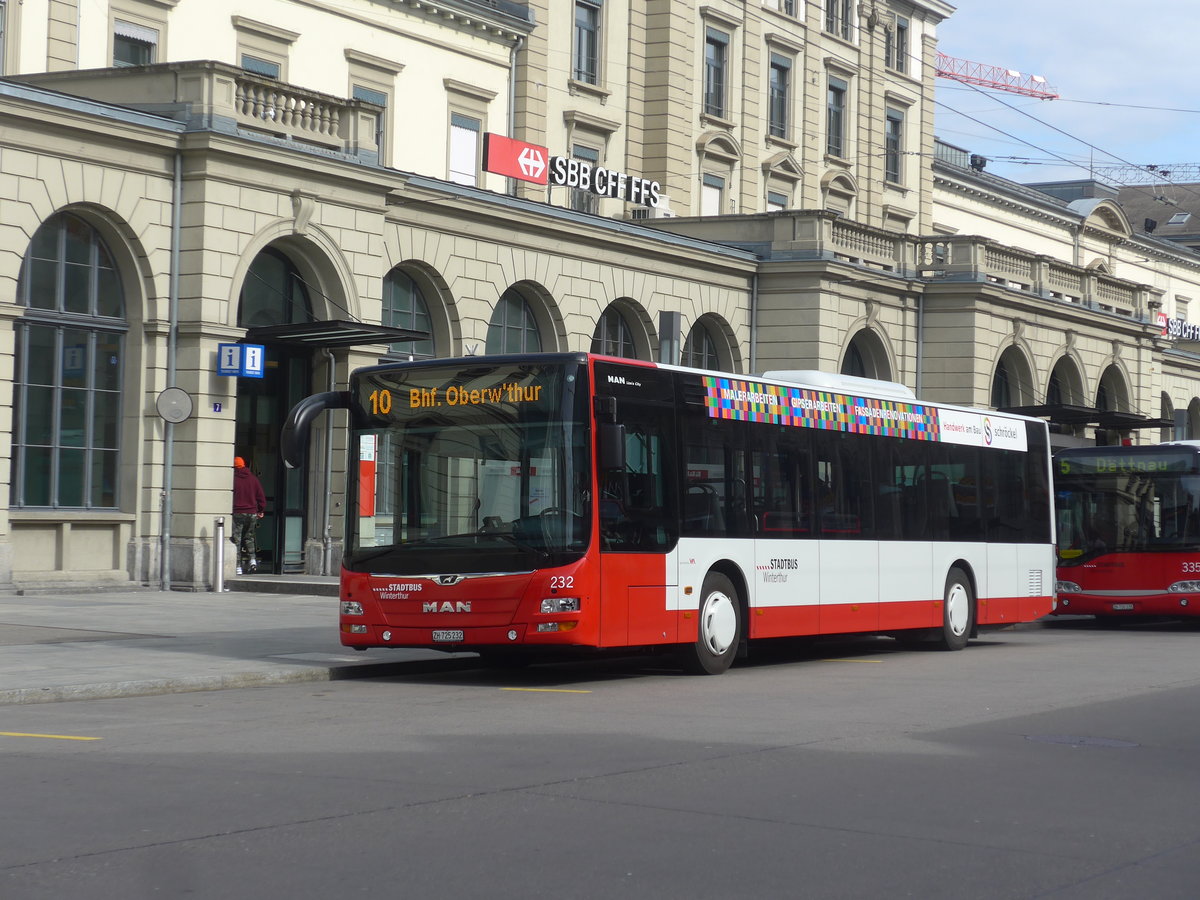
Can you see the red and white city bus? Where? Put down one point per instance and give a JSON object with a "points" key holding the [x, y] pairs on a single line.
{"points": [[1129, 530], [524, 503]]}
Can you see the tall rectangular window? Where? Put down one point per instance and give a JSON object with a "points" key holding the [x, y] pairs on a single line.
{"points": [[781, 91], [896, 46], [835, 117], [712, 195], [133, 45], [837, 18], [894, 147], [464, 148], [585, 201], [586, 64], [716, 66]]}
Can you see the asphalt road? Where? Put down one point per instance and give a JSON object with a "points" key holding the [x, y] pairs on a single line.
{"points": [[1057, 761]]}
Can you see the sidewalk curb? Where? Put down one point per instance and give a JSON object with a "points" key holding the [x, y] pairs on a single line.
{"points": [[195, 683], [152, 687]]}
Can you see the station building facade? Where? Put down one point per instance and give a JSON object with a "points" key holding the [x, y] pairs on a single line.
{"points": [[178, 175]]}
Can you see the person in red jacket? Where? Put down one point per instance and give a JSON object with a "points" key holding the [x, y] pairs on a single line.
{"points": [[249, 505]]}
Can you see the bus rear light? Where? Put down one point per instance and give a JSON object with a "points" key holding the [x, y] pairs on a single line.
{"points": [[358, 629], [351, 608], [1185, 587], [1067, 587], [560, 604]]}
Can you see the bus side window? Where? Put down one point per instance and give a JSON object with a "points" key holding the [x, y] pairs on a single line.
{"points": [[716, 494], [843, 498], [888, 496]]}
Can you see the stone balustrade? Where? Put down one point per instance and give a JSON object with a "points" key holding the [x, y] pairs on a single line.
{"points": [[215, 96], [977, 259]]}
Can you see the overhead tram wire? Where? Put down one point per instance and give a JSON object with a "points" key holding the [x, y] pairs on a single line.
{"points": [[1073, 137]]}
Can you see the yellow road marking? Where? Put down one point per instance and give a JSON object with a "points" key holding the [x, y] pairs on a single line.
{"points": [[546, 690], [51, 737], [854, 660]]}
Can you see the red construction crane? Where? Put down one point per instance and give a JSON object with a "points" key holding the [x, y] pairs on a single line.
{"points": [[995, 77]]}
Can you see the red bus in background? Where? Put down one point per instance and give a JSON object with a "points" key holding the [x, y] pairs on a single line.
{"points": [[1129, 530], [553, 501]]}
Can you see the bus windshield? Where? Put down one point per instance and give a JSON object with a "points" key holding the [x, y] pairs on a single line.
{"points": [[469, 467], [1126, 512]]}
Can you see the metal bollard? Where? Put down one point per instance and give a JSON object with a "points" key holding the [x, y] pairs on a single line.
{"points": [[219, 555]]}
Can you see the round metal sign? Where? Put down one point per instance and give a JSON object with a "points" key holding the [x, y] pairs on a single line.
{"points": [[174, 405]]}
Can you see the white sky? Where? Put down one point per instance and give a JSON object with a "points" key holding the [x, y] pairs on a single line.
{"points": [[1144, 53]]}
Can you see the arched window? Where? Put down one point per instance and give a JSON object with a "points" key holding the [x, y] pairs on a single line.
{"points": [[273, 292], [404, 307], [1012, 381], [1167, 414], [613, 337], [866, 357], [68, 370], [1054, 390], [700, 350], [854, 364], [1002, 395], [513, 328], [1112, 392]]}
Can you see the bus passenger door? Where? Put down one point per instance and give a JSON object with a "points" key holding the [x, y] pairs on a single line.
{"points": [[849, 572], [638, 528]]}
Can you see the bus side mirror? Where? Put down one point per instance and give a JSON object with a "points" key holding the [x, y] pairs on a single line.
{"points": [[610, 446], [293, 439]]}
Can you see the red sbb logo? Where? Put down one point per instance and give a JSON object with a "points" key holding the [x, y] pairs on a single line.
{"points": [[515, 159]]}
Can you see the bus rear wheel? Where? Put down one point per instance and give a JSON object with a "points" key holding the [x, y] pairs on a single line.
{"points": [[958, 611], [719, 629]]}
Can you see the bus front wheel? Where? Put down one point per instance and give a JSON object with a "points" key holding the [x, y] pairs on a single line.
{"points": [[958, 611], [719, 630]]}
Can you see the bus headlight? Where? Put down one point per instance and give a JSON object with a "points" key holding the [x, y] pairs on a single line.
{"points": [[560, 604], [1067, 587], [1184, 587], [351, 608]]}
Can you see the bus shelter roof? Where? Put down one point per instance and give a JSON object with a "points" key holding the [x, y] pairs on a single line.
{"points": [[332, 333], [1069, 414]]}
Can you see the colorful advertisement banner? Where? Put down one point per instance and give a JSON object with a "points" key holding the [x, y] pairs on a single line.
{"points": [[749, 401]]}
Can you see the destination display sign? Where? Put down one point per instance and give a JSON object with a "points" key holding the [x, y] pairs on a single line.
{"points": [[389, 398], [749, 401], [1119, 463]]}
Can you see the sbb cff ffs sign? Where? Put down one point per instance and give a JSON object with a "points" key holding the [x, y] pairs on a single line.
{"points": [[530, 162]]}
